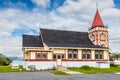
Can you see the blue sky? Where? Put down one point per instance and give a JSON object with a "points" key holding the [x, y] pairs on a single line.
{"points": [[19, 17]]}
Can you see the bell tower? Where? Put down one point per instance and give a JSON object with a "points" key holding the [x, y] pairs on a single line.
{"points": [[98, 33]]}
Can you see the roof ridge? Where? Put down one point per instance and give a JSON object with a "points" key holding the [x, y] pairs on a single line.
{"points": [[62, 30], [29, 35]]}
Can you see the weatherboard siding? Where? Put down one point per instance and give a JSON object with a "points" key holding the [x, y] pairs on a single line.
{"points": [[32, 55], [92, 54], [59, 51], [50, 54], [79, 54], [50, 64], [106, 53]]}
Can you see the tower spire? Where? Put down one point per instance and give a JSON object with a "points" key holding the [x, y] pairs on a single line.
{"points": [[97, 22], [96, 5]]}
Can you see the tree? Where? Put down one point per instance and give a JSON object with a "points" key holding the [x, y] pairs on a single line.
{"points": [[4, 60], [115, 57]]}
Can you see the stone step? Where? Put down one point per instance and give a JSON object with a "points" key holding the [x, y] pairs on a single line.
{"points": [[62, 68]]}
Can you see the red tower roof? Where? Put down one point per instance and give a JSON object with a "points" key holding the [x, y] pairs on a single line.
{"points": [[97, 22]]}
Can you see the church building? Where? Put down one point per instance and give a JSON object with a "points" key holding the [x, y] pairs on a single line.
{"points": [[52, 48]]}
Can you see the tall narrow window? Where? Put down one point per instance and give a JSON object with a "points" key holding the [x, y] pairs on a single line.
{"points": [[101, 54], [83, 54], [88, 54], [62, 56], [54, 56], [38, 56], [70, 54], [96, 55], [59, 56], [75, 54], [43, 56]]}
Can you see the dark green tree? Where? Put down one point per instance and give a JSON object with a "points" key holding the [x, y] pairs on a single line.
{"points": [[4, 60]]}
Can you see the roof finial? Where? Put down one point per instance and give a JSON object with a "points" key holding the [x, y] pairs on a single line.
{"points": [[96, 5]]}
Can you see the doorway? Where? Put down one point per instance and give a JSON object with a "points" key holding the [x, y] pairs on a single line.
{"points": [[59, 59]]}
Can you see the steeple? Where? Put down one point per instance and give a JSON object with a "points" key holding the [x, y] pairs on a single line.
{"points": [[97, 22], [98, 33]]}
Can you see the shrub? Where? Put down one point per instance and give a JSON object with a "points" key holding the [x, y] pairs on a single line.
{"points": [[85, 67], [113, 65], [32, 67], [21, 66]]}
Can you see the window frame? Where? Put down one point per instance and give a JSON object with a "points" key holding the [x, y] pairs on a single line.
{"points": [[36, 57], [86, 54], [70, 53], [99, 54], [74, 54], [41, 55]]}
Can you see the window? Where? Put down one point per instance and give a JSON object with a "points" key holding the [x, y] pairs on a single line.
{"points": [[86, 54], [101, 54], [83, 54], [59, 57], [54, 56], [75, 54], [98, 54], [72, 54], [62, 56], [43, 56], [38, 56]]}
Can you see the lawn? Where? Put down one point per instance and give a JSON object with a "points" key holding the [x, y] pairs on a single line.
{"points": [[96, 70], [10, 69], [57, 72]]}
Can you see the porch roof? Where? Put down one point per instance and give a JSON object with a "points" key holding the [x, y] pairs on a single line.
{"points": [[32, 41]]}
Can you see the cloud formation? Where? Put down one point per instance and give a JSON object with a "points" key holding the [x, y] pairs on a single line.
{"points": [[42, 3]]}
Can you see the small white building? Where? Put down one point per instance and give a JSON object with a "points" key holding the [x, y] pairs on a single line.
{"points": [[68, 48]]}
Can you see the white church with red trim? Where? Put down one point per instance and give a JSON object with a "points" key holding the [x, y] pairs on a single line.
{"points": [[52, 48]]}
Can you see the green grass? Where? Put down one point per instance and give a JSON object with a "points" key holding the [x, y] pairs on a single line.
{"points": [[9, 69], [59, 72], [97, 70]]}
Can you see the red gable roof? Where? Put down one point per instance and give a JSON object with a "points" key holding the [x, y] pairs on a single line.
{"points": [[97, 22]]}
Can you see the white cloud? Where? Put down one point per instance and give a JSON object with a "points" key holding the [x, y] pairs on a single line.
{"points": [[72, 15], [11, 46], [111, 13], [43, 3]]}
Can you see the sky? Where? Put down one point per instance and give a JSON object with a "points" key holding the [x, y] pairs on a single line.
{"points": [[18, 17]]}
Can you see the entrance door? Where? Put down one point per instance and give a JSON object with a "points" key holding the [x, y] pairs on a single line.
{"points": [[59, 61]]}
